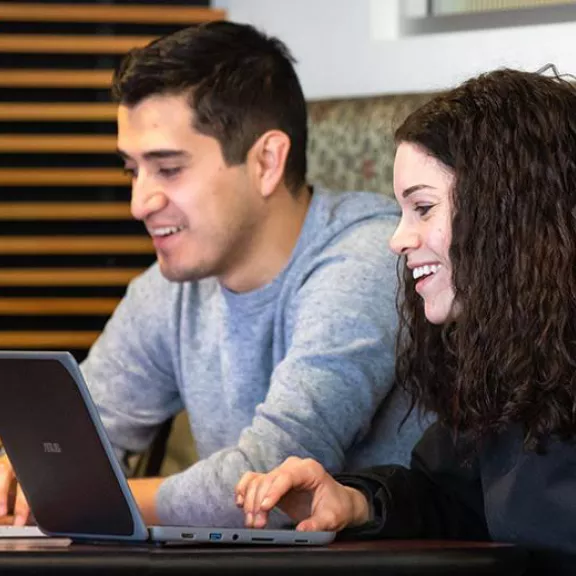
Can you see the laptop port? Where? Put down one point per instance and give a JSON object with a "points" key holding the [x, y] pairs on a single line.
{"points": [[261, 539], [215, 536], [188, 535]]}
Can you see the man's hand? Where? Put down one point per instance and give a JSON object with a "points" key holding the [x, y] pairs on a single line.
{"points": [[304, 491], [12, 498], [144, 491]]}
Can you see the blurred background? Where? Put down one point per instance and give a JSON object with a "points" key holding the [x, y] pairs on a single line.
{"points": [[68, 245]]}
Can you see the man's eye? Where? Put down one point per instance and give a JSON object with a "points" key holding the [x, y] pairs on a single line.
{"points": [[168, 172], [132, 172]]}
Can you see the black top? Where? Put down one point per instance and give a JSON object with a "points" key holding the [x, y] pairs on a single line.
{"points": [[504, 493]]}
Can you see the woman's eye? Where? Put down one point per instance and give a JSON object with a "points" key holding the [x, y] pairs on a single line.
{"points": [[423, 209], [168, 172]]}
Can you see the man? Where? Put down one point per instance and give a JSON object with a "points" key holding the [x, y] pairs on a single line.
{"points": [[270, 313]]}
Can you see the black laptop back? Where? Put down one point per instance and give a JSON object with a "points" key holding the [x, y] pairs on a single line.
{"points": [[55, 451]]}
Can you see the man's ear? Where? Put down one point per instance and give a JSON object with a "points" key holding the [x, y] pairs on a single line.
{"points": [[267, 159]]}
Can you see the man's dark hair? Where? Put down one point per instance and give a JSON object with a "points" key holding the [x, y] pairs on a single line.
{"points": [[241, 83]]}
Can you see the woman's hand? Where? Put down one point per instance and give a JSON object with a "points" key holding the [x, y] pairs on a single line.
{"points": [[306, 492]]}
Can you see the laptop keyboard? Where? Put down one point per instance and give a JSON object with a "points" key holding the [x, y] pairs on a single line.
{"points": [[21, 532]]}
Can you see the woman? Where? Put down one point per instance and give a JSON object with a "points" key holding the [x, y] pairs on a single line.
{"points": [[486, 179]]}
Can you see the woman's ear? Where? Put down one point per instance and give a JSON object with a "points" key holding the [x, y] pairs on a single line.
{"points": [[267, 160]]}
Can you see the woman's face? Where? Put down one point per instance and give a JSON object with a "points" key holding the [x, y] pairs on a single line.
{"points": [[422, 186]]}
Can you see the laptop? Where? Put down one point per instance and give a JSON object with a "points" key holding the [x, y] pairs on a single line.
{"points": [[68, 470]]}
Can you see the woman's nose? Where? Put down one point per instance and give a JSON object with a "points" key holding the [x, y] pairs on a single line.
{"points": [[404, 239]]}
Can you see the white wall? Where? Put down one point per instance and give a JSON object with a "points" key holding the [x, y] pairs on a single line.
{"points": [[356, 47]]}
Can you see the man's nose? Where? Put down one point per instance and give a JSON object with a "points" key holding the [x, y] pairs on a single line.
{"points": [[147, 197]]}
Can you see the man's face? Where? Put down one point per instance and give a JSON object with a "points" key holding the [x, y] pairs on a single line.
{"points": [[200, 212]]}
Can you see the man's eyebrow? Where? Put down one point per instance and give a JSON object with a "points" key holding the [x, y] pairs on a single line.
{"points": [[156, 154], [415, 188]]}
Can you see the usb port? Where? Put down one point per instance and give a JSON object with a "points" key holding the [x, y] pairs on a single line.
{"points": [[215, 536], [188, 535], [261, 539]]}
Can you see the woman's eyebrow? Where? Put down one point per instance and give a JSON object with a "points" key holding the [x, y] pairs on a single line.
{"points": [[415, 188]]}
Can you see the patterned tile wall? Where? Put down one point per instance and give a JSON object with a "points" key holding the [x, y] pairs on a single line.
{"points": [[351, 142]]}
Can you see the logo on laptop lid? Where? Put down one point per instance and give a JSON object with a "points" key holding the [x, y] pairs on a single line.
{"points": [[52, 448]]}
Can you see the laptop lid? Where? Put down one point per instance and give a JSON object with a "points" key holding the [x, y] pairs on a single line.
{"points": [[67, 468], [61, 455]]}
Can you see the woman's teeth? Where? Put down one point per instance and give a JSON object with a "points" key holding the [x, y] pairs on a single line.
{"points": [[427, 270]]}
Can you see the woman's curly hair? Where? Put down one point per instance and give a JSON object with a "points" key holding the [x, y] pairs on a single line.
{"points": [[510, 357]]}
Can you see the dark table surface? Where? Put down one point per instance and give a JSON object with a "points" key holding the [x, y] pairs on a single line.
{"points": [[384, 557]]}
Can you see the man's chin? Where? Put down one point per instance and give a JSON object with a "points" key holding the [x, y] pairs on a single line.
{"points": [[180, 274]]}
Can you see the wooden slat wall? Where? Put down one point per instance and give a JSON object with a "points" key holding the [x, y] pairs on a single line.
{"points": [[68, 245], [43, 78], [60, 112], [114, 13]]}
